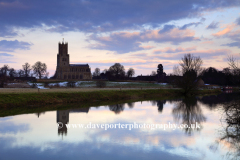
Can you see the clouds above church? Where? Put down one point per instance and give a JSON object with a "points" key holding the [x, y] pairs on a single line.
{"points": [[147, 31], [100, 15], [11, 46], [124, 42]]}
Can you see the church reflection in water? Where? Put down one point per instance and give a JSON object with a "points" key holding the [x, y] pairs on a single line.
{"points": [[63, 117], [185, 110]]}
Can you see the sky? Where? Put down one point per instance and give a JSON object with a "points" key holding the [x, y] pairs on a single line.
{"points": [[139, 34]]}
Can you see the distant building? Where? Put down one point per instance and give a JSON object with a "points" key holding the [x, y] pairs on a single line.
{"points": [[68, 71]]}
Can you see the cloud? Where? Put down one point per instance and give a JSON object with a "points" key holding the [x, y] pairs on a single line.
{"points": [[6, 55], [238, 21], [11, 46], [147, 47], [7, 32], [124, 42], [225, 31], [190, 24], [167, 28], [233, 44], [99, 15], [207, 42], [234, 35], [170, 50], [232, 32], [213, 25], [204, 54]]}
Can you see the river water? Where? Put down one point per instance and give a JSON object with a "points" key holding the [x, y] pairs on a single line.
{"points": [[191, 128]]}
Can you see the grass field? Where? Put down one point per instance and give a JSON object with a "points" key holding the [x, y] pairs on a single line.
{"points": [[51, 96]]}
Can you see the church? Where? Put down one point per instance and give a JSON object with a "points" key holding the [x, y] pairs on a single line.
{"points": [[68, 71]]}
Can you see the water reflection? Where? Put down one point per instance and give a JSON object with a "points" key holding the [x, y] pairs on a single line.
{"points": [[123, 143], [160, 104], [189, 112], [130, 104], [63, 117], [230, 134], [117, 108], [39, 113], [214, 100]]}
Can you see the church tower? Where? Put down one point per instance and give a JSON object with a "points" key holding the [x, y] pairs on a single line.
{"points": [[63, 56], [62, 59], [68, 71]]}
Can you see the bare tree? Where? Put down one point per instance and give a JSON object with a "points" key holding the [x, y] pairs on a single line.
{"points": [[186, 73], [190, 62], [233, 63], [105, 71], [46, 75], [39, 69], [96, 73], [235, 69], [4, 70], [130, 72], [20, 73], [153, 73], [3, 75], [26, 68], [12, 72], [117, 71]]}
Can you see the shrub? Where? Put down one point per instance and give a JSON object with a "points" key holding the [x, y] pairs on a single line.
{"points": [[71, 84], [34, 85], [101, 84], [1, 84], [46, 84]]}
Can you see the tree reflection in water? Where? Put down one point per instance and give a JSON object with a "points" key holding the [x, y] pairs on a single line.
{"points": [[188, 112], [130, 104], [159, 104], [117, 108], [230, 134]]}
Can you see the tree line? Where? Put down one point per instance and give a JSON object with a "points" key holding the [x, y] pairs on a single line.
{"points": [[188, 74], [115, 72], [38, 70]]}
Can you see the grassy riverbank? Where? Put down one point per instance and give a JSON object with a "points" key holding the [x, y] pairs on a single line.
{"points": [[24, 103], [26, 99]]}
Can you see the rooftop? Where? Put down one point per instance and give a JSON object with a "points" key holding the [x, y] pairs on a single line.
{"points": [[83, 65]]}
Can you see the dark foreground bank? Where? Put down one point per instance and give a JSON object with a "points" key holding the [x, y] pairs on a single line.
{"points": [[29, 99]]}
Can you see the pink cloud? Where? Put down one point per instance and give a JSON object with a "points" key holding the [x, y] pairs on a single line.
{"points": [[171, 50], [228, 29], [147, 47], [125, 42], [207, 42], [174, 33]]}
